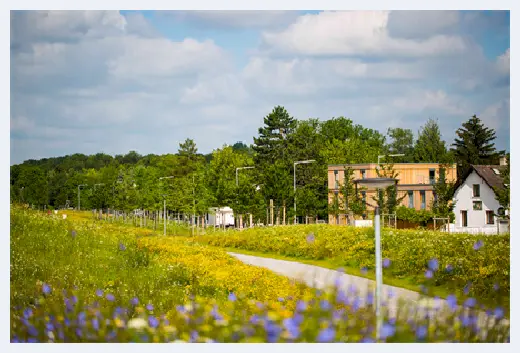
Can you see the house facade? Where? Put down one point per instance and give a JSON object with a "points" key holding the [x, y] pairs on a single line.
{"points": [[415, 184], [476, 207]]}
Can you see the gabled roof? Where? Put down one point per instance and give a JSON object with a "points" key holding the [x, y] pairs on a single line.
{"points": [[488, 174]]}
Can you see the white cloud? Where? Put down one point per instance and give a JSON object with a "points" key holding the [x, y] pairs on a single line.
{"points": [[355, 33], [495, 115], [421, 24], [503, 62]]}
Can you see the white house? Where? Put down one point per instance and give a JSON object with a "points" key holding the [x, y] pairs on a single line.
{"points": [[476, 207], [220, 217]]}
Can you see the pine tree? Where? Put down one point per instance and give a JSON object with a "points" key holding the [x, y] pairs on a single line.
{"points": [[474, 145], [429, 147]]}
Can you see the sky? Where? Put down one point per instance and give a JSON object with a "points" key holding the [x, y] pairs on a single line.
{"points": [[115, 81]]}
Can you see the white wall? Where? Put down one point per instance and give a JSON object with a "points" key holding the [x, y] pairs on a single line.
{"points": [[464, 201]]}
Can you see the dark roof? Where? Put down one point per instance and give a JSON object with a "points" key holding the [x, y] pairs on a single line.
{"points": [[486, 172]]}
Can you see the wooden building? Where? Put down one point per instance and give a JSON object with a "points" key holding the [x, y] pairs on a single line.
{"points": [[415, 183]]}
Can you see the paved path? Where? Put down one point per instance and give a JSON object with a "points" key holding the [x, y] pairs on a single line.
{"points": [[322, 278]]}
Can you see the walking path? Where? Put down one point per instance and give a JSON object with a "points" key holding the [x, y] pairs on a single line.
{"points": [[322, 278]]}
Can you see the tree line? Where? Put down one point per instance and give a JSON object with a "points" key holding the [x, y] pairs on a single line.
{"points": [[192, 182]]}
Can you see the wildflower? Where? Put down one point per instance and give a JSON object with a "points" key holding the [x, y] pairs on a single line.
{"points": [[341, 297], [386, 263], [364, 270], [433, 264], [137, 323], [326, 335], [110, 297], [152, 321], [78, 332], [449, 268], [95, 324], [337, 314], [232, 297], [452, 301], [273, 331], [499, 313], [370, 298], [280, 299], [368, 340], [99, 292], [32, 330], [421, 332], [134, 301], [49, 326], [325, 305], [310, 237], [194, 335], [496, 287], [470, 302], [122, 246], [27, 313], [478, 245], [387, 331], [467, 287], [292, 328], [428, 274], [149, 307], [46, 289], [301, 306], [356, 304]]}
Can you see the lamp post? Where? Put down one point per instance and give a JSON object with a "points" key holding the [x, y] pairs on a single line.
{"points": [[388, 155], [377, 183], [164, 201], [294, 175], [79, 195]]}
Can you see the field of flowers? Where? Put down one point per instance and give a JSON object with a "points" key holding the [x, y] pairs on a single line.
{"points": [[77, 281], [468, 265]]}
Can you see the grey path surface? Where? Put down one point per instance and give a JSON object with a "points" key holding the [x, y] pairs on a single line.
{"points": [[322, 278]]}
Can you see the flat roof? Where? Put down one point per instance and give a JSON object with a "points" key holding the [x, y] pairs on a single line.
{"points": [[365, 164]]}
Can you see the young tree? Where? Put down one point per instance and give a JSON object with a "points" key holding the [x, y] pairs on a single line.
{"points": [[503, 194], [474, 145], [387, 199], [443, 190], [429, 147], [350, 201], [402, 143]]}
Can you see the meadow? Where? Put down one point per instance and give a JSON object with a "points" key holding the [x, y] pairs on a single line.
{"points": [[80, 280]]}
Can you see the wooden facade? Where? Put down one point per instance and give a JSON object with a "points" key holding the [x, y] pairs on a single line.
{"points": [[415, 183]]}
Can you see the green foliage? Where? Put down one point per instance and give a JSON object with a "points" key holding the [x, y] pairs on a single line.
{"points": [[414, 216], [429, 146], [401, 143], [474, 145], [503, 194]]}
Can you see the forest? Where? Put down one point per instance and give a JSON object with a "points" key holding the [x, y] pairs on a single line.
{"points": [[192, 182]]}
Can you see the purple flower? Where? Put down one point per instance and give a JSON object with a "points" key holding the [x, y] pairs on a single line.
{"points": [[292, 327], [149, 307], [499, 313], [134, 301], [428, 274], [73, 233], [341, 297], [232, 297], [421, 332], [194, 335], [301, 305], [364, 270], [356, 304], [79, 333], [470, 302], [467, 287], [449, 268], [368, 340], [386, 263], [280, 299], [99, 292], [95, 324], [152, 321], [273, 331], [326, 335], [433, 264], [478, 245], [496, 287], [27, 313], [46, 289], [310, 237], [49, 326], [387, 331], [122, 246], [452, 301], [325, 305], [110, 297], [370, 298]]}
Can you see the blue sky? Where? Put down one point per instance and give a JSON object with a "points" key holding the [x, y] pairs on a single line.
{"points": [[109, 81]]}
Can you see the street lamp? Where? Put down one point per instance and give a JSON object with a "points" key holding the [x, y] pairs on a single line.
{"points": [[79, 195], [389, 155], [377, 183], [294, 174], [164, 199]]}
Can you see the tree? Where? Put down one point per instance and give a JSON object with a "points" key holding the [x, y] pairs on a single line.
{"points": [[474, 145], [503, 194], [351, 201], [402, 143], [443, 190], [429, 147], [188, 149], [387, 199]]}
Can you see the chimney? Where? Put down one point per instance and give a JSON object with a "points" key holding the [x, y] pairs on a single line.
{"points": [[503, 160]]}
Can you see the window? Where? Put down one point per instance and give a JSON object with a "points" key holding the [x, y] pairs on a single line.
{"points": [[490, 217], [423, 199], [476, 190], [363, 173], [477, 205], [410, 199], [432, 176]]}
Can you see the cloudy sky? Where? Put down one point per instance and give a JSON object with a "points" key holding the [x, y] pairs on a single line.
{"points": [[109, 81]]}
